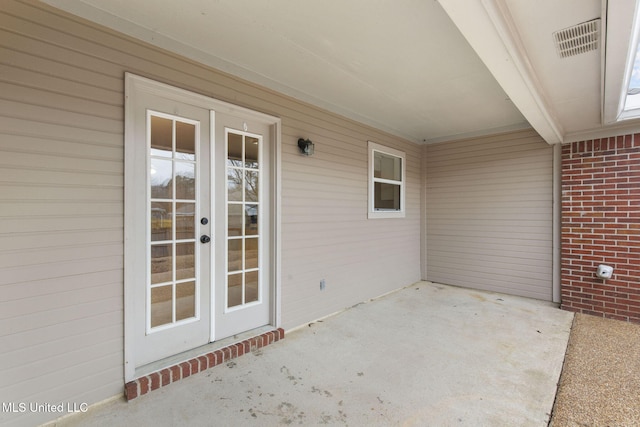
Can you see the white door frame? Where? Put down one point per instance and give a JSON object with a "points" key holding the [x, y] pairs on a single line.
{"points": [[134, 190]]}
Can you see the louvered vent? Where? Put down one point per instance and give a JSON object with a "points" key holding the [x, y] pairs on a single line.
{"points": [[578, 39]]}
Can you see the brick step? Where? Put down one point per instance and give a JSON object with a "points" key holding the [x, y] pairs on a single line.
{"points": [[171, 374]]}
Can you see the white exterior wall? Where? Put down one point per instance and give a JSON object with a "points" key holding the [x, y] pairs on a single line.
{"points": [[61, 204], [489, 214]]}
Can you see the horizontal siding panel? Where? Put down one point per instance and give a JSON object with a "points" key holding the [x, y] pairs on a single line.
{"points": [[331, 173], [31, 356], [495, 283], [521, 208], [338, 290], [20, 110], [60, 254], [84, 149], [48, 83], [466, 243], [334, 235], [52, 176], [27, 374], [484, 273], [61, 208], [49, 163], [489, 214], [61, 269], [513, 153], [38, 224], [529, 257], [65, 379], [490, 225], [56, 132], [51, 286], [36, 320], [506, 235], [509, 266], [53, 333], [42, 65], [51, 99], [55, 239], [526, 172], [464, 148], [43, 191]]}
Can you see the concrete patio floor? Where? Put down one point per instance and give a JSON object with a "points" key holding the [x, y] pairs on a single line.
{"points": [[427, 355]]}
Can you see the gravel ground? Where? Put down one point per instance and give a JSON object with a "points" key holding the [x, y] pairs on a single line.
{"points": [[600, 381]]}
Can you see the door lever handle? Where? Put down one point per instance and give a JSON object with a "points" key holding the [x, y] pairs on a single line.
{"points": [[205, 239]]}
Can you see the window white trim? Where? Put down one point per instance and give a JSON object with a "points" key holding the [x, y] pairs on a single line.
{"points": [[372, 211]]}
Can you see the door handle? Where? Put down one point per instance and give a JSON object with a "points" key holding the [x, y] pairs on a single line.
{"points": [[205, 239]]}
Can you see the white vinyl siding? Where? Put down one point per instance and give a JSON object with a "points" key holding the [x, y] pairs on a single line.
{"points": [[61, 203], [489, 214]]}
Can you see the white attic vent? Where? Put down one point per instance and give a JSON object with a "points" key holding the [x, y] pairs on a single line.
{"points": [[578, 39]]}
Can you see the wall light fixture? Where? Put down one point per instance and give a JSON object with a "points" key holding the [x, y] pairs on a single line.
{"points": [[306, 146]]}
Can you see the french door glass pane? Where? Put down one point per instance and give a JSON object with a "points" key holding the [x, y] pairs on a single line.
{"points": [[161, 179], [251, 152], [161, 221], [251, 287], [185, 180], [235, 255], [185, 221], [234, 220], [161, 305], [234, 184], [161, 136], [185, 261], [251, 186], [251, 253], [243, 207], [185, 141], [251, 220], [185, 300], [161, 263], [234, 150], [172, 292], [234, 290]]}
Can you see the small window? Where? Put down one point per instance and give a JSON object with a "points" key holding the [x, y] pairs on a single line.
{"points": [[386, 182]]}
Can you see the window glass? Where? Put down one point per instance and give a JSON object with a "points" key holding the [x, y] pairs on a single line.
{"points": [[386, 166], [387, 196]]}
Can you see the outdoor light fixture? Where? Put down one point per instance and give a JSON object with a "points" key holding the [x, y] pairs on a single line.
{"points": [[306, 146], [604, 271]]}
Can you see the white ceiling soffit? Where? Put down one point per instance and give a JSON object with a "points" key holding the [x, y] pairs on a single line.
{"points": [[566, 99], [489, 28], [571, 94], [402, 67]]}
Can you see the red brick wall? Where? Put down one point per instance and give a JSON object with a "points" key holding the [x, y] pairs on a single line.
{"points": [[601, 225]]}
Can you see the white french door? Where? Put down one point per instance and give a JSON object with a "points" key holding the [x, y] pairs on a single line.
{"points": [[173, 286], [198, 229], [242, 296]]}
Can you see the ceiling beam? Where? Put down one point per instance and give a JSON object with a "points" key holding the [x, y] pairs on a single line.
{"points": [[489, 29]]}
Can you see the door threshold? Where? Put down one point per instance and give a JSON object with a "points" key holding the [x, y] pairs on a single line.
{"points": [[166, 371]]}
